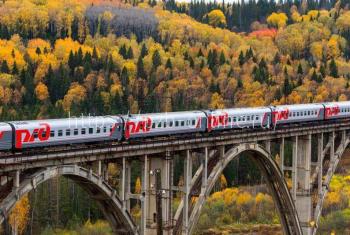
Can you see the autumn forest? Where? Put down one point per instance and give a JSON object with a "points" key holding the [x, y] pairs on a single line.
{"points": [[73, 57]]}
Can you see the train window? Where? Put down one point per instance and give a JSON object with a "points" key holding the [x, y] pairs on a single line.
{"points": [[164, 124], [257, 118], [83, 131], [171, 124], [68, 132], [182, 123], [234, 119], [60, 132], [91, 130], [229, 119], [239, 119], [153, 125], [98, 130], [315, 112], [297, 114], [76, 131], [52, 133], [176, 123], [104, 129], [243, 119], [308, 112], [193, 122], [159, 124], [290, 114], [248, 118]]}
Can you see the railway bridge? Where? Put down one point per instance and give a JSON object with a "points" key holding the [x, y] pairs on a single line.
{"points": [[316, 151]]}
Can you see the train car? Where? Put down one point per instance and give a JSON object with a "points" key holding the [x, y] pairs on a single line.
{"points": [[160, 124], [283, 114], [42, 133], [334, 110], [5, 136], [259, 117]]}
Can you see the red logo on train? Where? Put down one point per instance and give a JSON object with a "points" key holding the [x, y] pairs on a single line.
{"points": [[134, 127], [332, 111], [217, 121], [280, 115], [24, 136]]}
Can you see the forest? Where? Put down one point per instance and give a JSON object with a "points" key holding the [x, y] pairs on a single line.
{"points": [[98, 57]]}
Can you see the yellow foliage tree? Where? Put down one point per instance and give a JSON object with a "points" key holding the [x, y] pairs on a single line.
{"points": [[75, 95], [41, 92], [343, 22], [217, 18], [19, 215], [223, 182], [277, 19], [138, 186], [217, 102]]}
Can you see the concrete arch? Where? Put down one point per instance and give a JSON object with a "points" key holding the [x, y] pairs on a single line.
{"points": [[106, 197], [338, 153], [274, 179]]}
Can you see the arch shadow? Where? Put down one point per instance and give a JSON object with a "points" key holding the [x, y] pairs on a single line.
{"points": [[274, 180], [105, 196]]}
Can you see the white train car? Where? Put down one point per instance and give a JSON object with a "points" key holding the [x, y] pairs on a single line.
{"points": [[5, 136], [283, 114], [158, 124], [259, 117], [334, 110], [42, 133]]}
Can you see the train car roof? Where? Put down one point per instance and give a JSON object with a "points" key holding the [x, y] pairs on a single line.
{"points": [[5, 126], [246, 111], [300, 106], [188, 114], [71, 122], [341, 103]]}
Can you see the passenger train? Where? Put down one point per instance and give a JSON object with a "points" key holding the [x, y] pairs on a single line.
{"points": [[19, 135]]}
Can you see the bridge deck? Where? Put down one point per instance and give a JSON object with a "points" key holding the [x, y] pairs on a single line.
{"points": [[112, 150]]}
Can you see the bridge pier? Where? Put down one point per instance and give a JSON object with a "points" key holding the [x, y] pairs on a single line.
{"points": [[158, 198], [187, 187], [125, 184], [303, 200]]}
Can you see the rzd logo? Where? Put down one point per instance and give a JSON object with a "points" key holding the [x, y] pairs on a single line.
{"points": [[132, 127], [280, 115], [332, 111], [24, 136], [217, 121]]}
